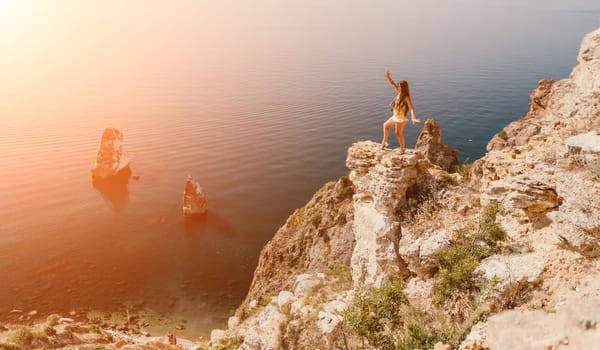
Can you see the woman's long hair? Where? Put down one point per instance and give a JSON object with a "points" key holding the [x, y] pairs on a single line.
{"points": [[401, 98]]}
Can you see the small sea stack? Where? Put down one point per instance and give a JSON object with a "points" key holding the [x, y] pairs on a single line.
{"points": [[194, 200], [111, 162]]}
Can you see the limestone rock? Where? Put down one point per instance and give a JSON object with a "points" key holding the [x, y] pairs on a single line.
{"points": [[586, 73], [330, 325], [335, 307], [539, 97], [508, 269], [265, 332], [420, 253], [381, 179], [590, 47], [328, 322], [305, 283], [216, 335], [313, 238], [232, 322], [515, 134], [430, 144], [110, 161], [284, 301], [194, 200], [574, 327], [362, 156], [441, 346], [475, 340], [584, 143], [528, 192], [382, 176]]}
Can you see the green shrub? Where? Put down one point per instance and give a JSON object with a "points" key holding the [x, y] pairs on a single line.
{"points": [[502, 134], [456, 266], [448, 180], [297, 218], [423, 191], [49, 331], [374, 312], [23, 337], [472, 244], [387, 321], [344, 189], [8, 346], [315, 220], [229, 343]]}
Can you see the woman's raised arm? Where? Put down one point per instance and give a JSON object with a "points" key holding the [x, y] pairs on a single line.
{"points": [[388, 75]]}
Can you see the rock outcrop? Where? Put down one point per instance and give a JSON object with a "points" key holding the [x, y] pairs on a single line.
{"points": [[381, 180], [574, 326], [313, 238], [111, 161], [430, 144], [539, 97], [194, 200]]}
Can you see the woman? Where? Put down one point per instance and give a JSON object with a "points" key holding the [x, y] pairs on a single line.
{"points": [[400, 106]]}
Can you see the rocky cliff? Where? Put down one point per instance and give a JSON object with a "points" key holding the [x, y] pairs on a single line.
{"points": [[415, 251]]}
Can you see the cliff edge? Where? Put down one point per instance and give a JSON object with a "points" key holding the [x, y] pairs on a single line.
{"points": [[415, 251]]}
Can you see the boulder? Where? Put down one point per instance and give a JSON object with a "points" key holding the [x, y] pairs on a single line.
{"points": [[420, 254], [573, 327], [110, 161], [194, 200], [430, 144], [284, 301], [216, 335], [305, 284], [584, 143], [266, 331], [528, 192], [504, 270], [585, 74], [328, 322], [233, 322]]}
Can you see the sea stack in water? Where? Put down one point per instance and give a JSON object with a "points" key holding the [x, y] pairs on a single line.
{"points": [[194, 201], [111, 162]]}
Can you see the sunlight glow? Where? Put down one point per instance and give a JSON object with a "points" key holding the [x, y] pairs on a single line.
{"points": [[13, 12]]}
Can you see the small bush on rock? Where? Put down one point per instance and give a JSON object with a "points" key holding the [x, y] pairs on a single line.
{"points": [[344, 189], [8, 346], [229, 343], [472, 244], [385, 318]]}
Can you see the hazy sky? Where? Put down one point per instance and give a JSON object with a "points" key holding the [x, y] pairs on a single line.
{"points": [[62, 45]]}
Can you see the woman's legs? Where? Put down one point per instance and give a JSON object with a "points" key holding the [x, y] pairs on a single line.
{"points": [[386, 131], [400, 135]]}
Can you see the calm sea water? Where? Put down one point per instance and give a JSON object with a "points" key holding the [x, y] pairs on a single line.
{"points": [[258, 100]]}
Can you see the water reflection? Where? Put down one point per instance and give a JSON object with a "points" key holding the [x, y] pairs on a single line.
{"points": [[208, 222], [115, 191]]}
